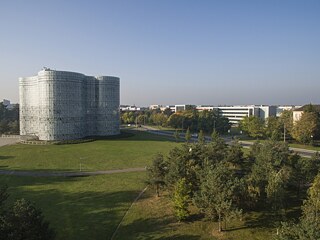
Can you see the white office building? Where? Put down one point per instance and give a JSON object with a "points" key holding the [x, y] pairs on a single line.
{"points": [[236, 113]]}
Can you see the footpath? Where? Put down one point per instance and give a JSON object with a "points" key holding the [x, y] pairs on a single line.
{"points": [[67, 174]]}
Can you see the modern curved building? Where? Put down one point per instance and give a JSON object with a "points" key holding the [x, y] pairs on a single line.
{"points": [[60, 105]]}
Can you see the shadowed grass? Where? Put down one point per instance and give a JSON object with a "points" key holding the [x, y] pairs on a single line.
{"points": [[79, 208]]}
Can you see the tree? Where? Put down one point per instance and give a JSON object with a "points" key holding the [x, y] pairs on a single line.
{"points": [[141, 119], [215, 196], [201, 138], [194, 120], [311, 207], [3, 196], [180, 200], [286, 122], [188, 135], [176, 135], [309, 225], [275, 188], [175, 120], [4, 128], [274, 128], [23, 221], [128, 117], [253, 126], [214, 135], [159, 119], [304, 170], [306, 128], [185, 161], [156, 173], [234, 154], [167, 112], [269, 158]]}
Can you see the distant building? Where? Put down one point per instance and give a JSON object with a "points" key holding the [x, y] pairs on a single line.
{"points": [[204, 107], [173, 108], [154, 107], [128, 108], [7, 104], [236, 113], [60, 105], [183, 107], [297, 113]]}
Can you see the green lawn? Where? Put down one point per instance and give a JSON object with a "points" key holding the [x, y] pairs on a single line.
{"points": [[114, 153], [79, 208]]}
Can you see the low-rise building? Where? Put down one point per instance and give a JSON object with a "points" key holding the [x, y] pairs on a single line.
{"points": [[128, 108], [236, 113], [297, 113]]}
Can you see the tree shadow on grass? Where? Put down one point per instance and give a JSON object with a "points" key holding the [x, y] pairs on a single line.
{"points": [[74, 212], [5, 157]]}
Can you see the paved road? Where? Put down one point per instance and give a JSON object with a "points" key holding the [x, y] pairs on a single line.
{"points": [[302, 152], [7, 141], [67, 174]]}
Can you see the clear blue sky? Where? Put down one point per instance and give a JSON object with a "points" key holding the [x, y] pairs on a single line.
{"points": [[170, 52]]}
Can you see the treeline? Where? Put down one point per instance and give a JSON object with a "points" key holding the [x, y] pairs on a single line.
{"points": [[223, 184], [305, 130], [9, 119], [188, 119]]}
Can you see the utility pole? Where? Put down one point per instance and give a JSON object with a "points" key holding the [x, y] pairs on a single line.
{"points": [[284, 132]]}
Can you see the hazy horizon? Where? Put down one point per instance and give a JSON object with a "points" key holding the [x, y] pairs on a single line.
{"points": [[170, 52]]}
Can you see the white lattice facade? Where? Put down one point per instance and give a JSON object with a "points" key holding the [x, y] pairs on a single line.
{"points": [[60, 105]]}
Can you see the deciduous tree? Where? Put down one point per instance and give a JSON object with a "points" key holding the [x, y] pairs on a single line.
{"points": [[306, 128], [181, 199], [156, 172]]}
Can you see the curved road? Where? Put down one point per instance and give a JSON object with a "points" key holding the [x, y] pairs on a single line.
{"points": [[67, 174], [302, 152]]}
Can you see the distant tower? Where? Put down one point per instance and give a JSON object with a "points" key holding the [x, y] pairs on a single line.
{"points": [[60, 105]]}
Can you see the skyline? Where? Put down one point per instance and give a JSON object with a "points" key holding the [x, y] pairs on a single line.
{"points": [[188, 52]]}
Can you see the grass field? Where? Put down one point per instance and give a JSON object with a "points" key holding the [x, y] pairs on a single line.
{"points": [[92, 207], [83, 207], [79, 208], [152, 218], [118, 153]]}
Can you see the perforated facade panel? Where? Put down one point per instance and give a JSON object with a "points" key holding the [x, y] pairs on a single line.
{"points": [[60, 105]]}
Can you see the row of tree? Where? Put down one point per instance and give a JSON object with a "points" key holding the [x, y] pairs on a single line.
{"points": [[222, 183], [188, 119], [305, 130], [9, 119]]}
